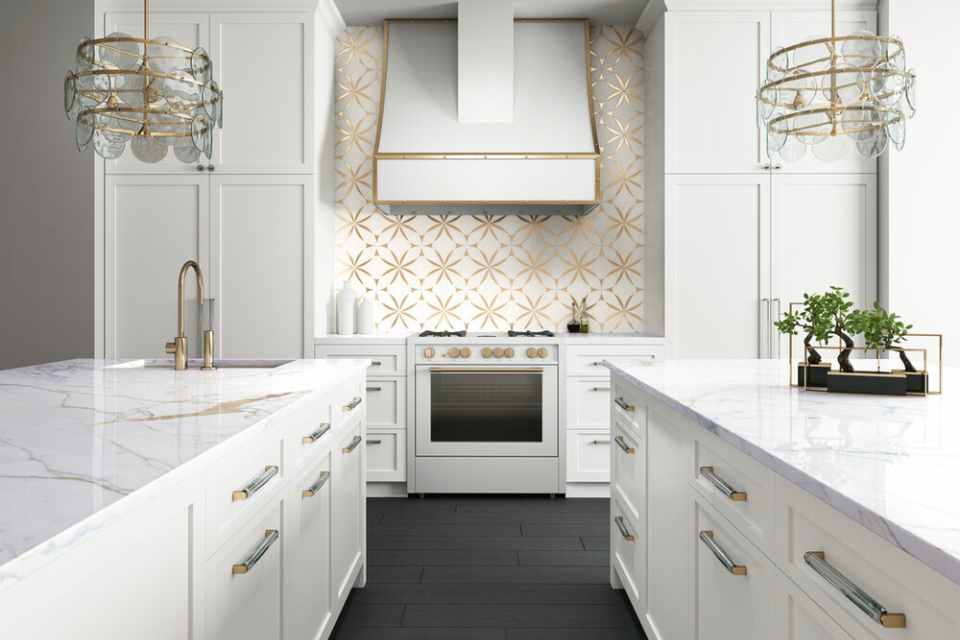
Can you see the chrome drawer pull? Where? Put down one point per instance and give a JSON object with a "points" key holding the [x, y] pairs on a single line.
{"points": [[736, 569], [353, 404], [623, 404], [269, 537], [374, 388], [316, 435], [597, 389], [722, 486], [623, 445], [623, 529], [353, 444], [595, 442], [322, 480], [817, 560], [256, 484], [374, 441]]}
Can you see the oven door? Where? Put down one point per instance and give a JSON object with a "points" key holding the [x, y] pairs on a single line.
{"points": [[487, 411]]}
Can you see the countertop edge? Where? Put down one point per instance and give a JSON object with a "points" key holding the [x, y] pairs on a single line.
{"points": [[910, 543]]}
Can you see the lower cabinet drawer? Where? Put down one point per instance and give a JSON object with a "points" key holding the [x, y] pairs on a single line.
{"points": [[385, 360], [588, 403], [628, 553], [240, 485], [629, 454], [242, 583], [348, 514], [797, 617], [385, 402], [829, 556], [585, 360], [588, 456], [733, 581], [386, 456]]}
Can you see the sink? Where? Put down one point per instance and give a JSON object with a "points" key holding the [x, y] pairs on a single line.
{"points": [[195, 363]]}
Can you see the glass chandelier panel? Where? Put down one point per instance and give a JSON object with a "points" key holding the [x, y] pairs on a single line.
{"points": [[836, 93], [151, 93]]}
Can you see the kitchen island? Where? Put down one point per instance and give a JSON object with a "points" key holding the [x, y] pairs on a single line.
{"points": [[746, 508], [139, 501]]}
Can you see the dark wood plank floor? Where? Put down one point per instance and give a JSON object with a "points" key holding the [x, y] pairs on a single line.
{"points": [[487, 568]]}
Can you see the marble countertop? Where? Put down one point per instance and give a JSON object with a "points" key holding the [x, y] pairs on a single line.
{"points": [[889, 463], [80, 436]]}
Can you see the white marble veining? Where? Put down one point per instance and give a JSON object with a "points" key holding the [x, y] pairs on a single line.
{"points": [[889, 463], [77, 438]]}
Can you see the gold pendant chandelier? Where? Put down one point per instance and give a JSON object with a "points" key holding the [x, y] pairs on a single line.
{"points": [[833, 93], [153, 93]]}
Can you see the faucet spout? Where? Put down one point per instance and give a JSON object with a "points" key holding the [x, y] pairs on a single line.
{"points": [[179, 345], [181, 281]]}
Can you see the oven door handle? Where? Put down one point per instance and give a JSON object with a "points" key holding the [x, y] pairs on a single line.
{"points": [[485, 370]]}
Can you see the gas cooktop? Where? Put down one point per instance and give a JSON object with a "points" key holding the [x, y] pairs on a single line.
{"points": [[509, 334]]}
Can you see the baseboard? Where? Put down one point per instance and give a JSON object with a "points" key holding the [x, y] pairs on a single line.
{"points": [[588, 490], [386, 489]]}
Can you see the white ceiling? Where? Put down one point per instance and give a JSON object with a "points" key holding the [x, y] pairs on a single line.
{"points": [[367, 12]]}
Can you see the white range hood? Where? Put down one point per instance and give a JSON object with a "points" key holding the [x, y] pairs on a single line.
{"points": [[470, 145]]}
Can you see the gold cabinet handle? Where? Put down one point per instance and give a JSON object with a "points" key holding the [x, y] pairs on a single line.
{"points": [[316, 486], [269, 537], [736, 569], [627, 449], [256, 484], [353, 404], [353, 444], [316, 435], [817, 560], [623, 404], [624, 531], [722, 486]]}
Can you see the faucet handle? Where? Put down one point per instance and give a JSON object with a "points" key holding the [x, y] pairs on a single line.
{"points": [[170, 347], [208, 350]]}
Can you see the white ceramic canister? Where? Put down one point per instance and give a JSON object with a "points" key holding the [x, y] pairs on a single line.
{"points": [[346, 309], [365, 317]]}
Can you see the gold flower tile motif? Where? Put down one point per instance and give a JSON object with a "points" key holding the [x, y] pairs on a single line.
{"points": [[495, 271]]}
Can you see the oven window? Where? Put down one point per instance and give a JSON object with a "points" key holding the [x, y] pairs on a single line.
{"points": [[492, 406]]}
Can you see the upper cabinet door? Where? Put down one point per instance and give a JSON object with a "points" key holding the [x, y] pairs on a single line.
{"points": [[713, 67], [153, 224], [264, 63], [262, 227], [188, 29], [792, 27]]}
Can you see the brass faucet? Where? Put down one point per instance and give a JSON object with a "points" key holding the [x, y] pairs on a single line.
{"points": [[179, 345]]}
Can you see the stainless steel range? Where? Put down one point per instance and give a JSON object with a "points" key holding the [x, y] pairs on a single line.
{"points": [[486, 413]]}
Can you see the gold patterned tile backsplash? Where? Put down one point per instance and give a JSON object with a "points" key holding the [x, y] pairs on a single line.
{"points": [[495, 271]]}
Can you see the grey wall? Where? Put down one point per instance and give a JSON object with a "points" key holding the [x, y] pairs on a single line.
{"points": [[46, 211]]}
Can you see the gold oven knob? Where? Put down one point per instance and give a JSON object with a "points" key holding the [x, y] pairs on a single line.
{"points": [[453, 352], [531, 352], [498, 352], [508, 352], [464, 352], [486, 352], [428, 352], [542, 352]]}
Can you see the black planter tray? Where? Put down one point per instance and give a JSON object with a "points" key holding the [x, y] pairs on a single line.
{"points": [[876, 383], [818, 375]]}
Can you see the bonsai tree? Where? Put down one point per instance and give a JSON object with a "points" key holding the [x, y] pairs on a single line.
{"points": [[814, 319], [881, 331], [836, 306]]}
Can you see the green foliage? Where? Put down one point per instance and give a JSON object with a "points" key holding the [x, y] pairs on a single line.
{"points": [[788, 325], [880, 328], [836, 305], [821, 314]]}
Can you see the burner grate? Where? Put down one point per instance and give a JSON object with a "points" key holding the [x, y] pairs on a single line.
{"points": [[443, 334], [530, 334]]}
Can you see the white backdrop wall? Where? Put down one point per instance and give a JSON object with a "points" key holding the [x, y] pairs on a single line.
{"points": [[920, 211]]}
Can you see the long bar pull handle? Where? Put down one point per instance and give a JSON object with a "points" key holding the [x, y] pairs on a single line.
{"points": [[736, 569], [316, 435], [353, 444], [774, 335], [622, 526], [623, 445], [269, 537], [817, 560], [623, 404], [764, 337], [722, 486], [353, 404], [369, 441], [369, 389], [315, 488], [256, 484]]}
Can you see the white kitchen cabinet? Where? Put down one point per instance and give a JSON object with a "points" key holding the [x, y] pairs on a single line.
{"points": [[740, 248], [713, 69], [386, 455], [307, 612], [797, 617], [718, 265], [348, 520], [152, 225], [264, 63], [588, 455], [243, 583], [385, 403], [262, 265]]}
